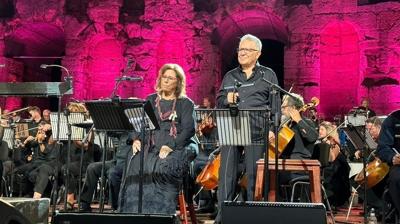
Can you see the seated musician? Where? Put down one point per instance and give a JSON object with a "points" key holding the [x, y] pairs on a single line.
{"points": [[305, 134], [165, 159], [41, 164], [336, 175], [365, 107], [113, 170], [388, 151], [75, 160], [373, 126], [374, 194], [208, 137]]}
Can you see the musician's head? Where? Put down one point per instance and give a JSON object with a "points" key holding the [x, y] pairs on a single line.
{"points": [[294, 101], [249, 50], [326, 128], [373, 126], [171, 79], [365, 102], [206, 103], [35, 113], [46, 115]]}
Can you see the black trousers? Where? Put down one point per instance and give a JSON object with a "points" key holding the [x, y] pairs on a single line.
{"points": [[73, 174], [93, 174], [115, 177], [394, 186], [229, 169], [40, 177]]}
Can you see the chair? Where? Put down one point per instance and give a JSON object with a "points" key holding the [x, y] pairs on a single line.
{"points": [[389, 211], [321, 152]]}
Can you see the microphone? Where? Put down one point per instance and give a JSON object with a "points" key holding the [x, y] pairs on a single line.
{"points": [[130, 78], [44, 66]]}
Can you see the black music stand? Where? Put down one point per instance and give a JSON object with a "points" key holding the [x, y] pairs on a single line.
{"points": [[361, 139], [247, 128], [62, 129], [118, 115]]}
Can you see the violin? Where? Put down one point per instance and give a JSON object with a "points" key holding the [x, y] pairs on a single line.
{"points": [[207, 125]]}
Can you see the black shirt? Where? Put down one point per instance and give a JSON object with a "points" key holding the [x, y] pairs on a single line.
{"points": [[387, 141], [253, 92]]}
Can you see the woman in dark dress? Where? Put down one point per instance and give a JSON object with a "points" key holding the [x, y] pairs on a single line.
{"points": [[164, 155]]}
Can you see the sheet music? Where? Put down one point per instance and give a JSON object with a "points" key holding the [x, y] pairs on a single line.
{"points": [[233, 130], [9, 136], [77, 133], [135, 118]]}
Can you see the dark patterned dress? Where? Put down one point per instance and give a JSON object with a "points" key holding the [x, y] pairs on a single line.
{"points": [[162, 177]]}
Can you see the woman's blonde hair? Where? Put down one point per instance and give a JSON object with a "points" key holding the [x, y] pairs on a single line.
{"points": [[329, 129], [180, 75]]}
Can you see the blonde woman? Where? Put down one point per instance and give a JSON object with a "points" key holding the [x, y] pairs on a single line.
{"points": [[336, 175], [165, 157]]}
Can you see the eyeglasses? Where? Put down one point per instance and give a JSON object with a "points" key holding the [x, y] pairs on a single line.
{"points": [[169, 78], [246, 50]]}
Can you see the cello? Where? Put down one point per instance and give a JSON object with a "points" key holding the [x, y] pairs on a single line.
{"points": [[208, 178], [375, 172], [285, 133]]}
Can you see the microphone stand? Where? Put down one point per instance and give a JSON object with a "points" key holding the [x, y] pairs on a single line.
{"points": [[120, 78], [84, 141], [67, 171], [276, 113]]}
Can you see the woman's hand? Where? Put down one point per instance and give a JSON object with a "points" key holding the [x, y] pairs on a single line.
{"points": [[164, 151], [136, 146]]}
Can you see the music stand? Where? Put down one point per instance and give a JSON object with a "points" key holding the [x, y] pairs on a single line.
{"points": [[119, 115], [361, 139], [248, 128], [77, 133]]}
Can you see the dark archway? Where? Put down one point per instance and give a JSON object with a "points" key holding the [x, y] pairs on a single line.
{"points": [[33, 44], [272, 56], [261, 22]]}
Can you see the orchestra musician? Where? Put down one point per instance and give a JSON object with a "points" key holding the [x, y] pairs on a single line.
{"points": [[253, 93], [41, 164], [374, 194], [165, 157], [336, 174], [388, 151], [305, 134]]}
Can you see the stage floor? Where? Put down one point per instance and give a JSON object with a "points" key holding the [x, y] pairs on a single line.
{"points": [[356, 214]]}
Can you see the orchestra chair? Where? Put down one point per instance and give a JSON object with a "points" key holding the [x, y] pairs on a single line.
{"points": [[321, 153], [389, 211]]}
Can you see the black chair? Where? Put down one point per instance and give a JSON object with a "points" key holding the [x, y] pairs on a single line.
{"points": [[321, 152], [389, 211]]}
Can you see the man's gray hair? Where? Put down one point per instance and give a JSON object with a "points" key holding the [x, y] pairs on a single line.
{"points": [[252, 38]]}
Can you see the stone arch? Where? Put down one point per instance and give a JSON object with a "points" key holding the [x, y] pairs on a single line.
{"points": [[29, 46], [244, 18], [339, 68], [104, 65]]}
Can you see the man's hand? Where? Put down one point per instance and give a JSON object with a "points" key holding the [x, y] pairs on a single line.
{"points": [[294, 114], [358, 154], [164, 151], [396, 159], [136, 146], [271, 137], [232, 97]]}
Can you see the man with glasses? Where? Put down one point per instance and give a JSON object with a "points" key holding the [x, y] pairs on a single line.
{"points": [[247, 88]]}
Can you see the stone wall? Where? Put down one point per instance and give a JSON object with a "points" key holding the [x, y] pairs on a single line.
{"points": [[334, 50]]}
